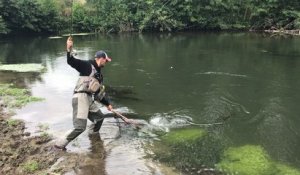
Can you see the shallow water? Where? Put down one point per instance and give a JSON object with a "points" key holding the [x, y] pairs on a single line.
{"points": [[248, 82]]}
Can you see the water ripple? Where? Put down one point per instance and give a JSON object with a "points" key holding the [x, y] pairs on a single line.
{"points": [[221, 73]]}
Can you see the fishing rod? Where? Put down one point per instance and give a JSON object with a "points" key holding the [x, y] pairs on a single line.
{"points": [[71, 18], [125, 119]]}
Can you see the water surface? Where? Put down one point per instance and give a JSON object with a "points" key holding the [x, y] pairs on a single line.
{"points": [[249, 82]]}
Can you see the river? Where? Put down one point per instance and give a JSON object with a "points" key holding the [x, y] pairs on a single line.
{"points": [[248, 82]]}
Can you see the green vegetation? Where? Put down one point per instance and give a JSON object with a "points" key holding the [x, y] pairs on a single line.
{"points": [[56, 16], [15, 97], [191, 149], [246, 160], [286, 170], [44, 134], [43, 130], [22, 67], [188, 149], [252, 160], [31, 166], [43, 127], [183, 135], [12, 122]]}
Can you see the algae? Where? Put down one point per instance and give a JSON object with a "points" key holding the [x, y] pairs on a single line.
{"points": [[252, 160], [183, 135], [246, 160], [13, 97], [188, 149], [286, 170], [22, 67], [31, 166]]}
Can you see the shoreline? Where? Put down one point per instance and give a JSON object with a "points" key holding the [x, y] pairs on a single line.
{"points": [[24, 154]]}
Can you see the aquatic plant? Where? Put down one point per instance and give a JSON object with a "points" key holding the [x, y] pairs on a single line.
{"points": [[246, 160], [286, 170], [22, 67], [188, 149], [183, 135], [13, 97], [252, 160]]}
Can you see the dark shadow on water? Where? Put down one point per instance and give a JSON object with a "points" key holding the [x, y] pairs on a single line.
{"points": [[122, 93], [94, 164]]}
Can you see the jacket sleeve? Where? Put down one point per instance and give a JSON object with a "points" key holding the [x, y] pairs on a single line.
{"points": [[105, 101], [80, 65]]}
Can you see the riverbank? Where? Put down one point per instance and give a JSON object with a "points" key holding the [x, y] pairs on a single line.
{"points": [[22, 153], [284, 32]]}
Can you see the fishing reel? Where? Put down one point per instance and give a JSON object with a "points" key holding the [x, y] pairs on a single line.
{"points": [[74, 52]]}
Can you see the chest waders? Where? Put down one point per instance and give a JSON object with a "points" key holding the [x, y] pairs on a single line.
{"points": [[84, 107]]}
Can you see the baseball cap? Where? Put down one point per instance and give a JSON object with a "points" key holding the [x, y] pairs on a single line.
{"points": [[102, 54]]}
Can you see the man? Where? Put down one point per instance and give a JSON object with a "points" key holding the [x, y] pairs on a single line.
{"points": [[88, 88]]}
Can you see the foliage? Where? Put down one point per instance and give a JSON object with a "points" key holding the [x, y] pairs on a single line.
{"points": [[23, 16], [54, 16], [275, 14]]}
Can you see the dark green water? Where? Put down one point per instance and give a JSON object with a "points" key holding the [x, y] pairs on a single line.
{"points": [[248, 81]]}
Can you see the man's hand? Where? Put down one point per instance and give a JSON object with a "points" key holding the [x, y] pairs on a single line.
{"points": [[109, 107], [69, 44]]}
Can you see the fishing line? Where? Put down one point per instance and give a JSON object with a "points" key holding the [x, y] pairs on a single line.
{"points": [[71, 26], [205, 124]]}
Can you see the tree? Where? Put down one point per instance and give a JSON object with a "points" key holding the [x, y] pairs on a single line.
{"points": [[3, 29]]}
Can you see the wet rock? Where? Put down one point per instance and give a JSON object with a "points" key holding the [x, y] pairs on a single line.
{"points": [[15, 135], [14, 144], [42, 140], [6, 169], [4, 158], [5, 131], [7, 153], [26, 134]]}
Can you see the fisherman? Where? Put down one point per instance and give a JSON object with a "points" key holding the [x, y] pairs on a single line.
{"points": [[89, 88]]}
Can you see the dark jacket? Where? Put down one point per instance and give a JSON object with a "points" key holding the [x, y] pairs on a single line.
{"points": [[85, 69]]}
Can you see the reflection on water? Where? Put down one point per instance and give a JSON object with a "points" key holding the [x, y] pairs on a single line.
{"points": [[247, 82]]}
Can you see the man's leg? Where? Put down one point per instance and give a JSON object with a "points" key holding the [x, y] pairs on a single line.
{"points": [[80, 105], [97, 118]]}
